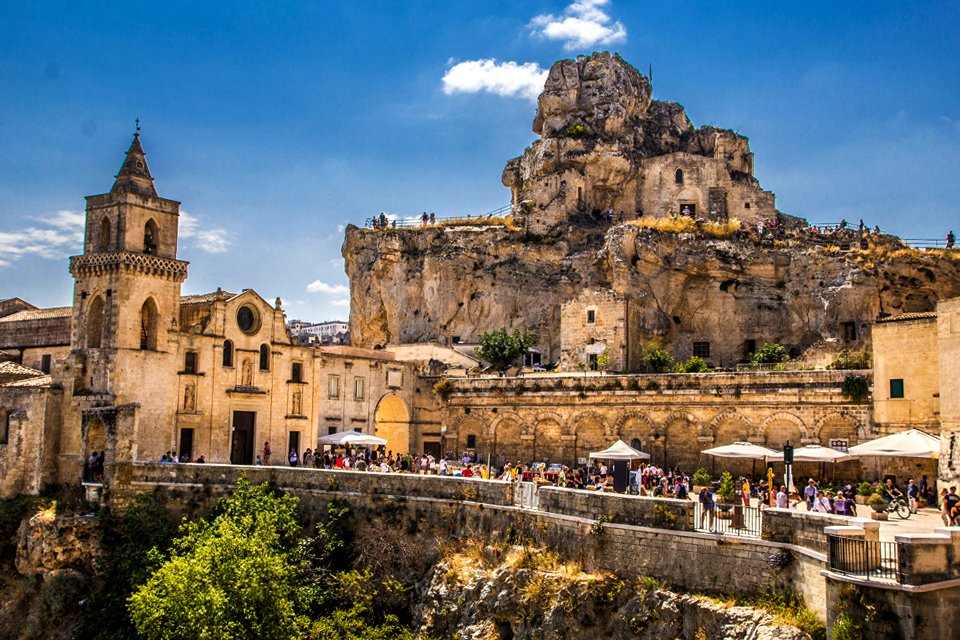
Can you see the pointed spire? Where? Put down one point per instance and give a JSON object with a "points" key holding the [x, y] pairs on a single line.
{"points": [[134, 176]]}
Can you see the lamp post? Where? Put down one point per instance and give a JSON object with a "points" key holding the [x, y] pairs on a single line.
{"points": [[788, 465]]}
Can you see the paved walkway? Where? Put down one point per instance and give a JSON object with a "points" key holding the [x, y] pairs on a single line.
{"points": [[923, 522]]}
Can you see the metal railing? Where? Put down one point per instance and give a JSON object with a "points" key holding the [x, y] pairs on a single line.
{"points": [[394, 221], [729, 519], [871, 559]]}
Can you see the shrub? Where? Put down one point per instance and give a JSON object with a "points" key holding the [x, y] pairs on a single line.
{"points": [[855, 388], [865, 489], [727, 489], [770, 353], [876, 500], [657, 360], [855, 360], [443, 388], [701, 477], [500, 348], [695, 364], [576, 131]]}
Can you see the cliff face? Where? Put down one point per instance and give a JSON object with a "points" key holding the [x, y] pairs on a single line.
{"points": [[438, 283]]}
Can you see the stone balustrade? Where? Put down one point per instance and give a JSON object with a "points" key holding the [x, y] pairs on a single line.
{"points": [[807, 528]]}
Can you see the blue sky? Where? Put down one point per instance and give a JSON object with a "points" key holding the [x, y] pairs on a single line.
{"points": [[276, 123]]}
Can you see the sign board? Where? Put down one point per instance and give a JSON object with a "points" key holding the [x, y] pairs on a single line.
{"points": [[581, 461], [394, 378], [839, 444]]}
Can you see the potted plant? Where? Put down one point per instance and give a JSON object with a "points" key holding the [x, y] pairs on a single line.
{"points": [[725, 493], [701, 479], [879, 506], [864, 491]]}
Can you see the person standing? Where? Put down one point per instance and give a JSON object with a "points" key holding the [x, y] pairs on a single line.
{"points": [[293, 458], [707, 506], [783, 498], [266, 453], [913, 493], [951, 239], [810, 493]]}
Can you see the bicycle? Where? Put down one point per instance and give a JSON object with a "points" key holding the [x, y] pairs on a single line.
{"points": [[900, 507]]}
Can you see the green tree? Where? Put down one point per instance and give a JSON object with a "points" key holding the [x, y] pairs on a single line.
{"points": [[500, 348], [245, 574], [657, 360], [770, 353], [695, 364]]}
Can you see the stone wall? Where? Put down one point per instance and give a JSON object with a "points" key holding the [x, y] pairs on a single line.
{"points": [[37, 328], [30, 423], [673, 417], [660, 513], [805, 528], [592, 324], [444, 507], [906, 349]]}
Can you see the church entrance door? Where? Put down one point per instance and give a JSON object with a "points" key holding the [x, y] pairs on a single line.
{"points": [[241, 450]]}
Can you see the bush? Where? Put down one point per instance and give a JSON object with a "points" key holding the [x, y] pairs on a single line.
{"points": [[657, 360], [576, 131], [695, 364], [500, 348], [443, 388], [701, 477], [865, 489], [855, 388], [855, 360], [727, 489], [876, 500], [770, 353]]}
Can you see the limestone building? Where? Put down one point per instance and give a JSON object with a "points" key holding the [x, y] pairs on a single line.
{"points": [[137, 369]]}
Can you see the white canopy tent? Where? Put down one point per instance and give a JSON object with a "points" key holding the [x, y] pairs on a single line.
{"points": [[351, 438], [814, 453], [906, 444], [744, 450], [620, 450]]}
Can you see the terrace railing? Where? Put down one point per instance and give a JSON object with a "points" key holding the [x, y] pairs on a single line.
{"points": [[871, 559], [728, 519]]}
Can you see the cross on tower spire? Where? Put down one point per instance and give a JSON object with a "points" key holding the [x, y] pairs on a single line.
{"points": [[134, 176]]}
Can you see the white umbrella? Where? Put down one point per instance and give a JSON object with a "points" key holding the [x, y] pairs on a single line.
{"points": [[814, 453], [351, 438], [906, 444], [620, 451], [746, 450]]}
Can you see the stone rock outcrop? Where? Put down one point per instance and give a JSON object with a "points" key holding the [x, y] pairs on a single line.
{"points": [[434, 284], [605, 143], [48, 544], [508, 602]]}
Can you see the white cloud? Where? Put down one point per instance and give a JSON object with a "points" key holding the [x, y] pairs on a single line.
{"points": [[582, 25], [501, 78], [211, 240], [340, 228], [343, 302], [318, 286], [59, 235]]}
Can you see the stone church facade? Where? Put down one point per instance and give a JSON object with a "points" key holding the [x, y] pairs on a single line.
{"points": [[137, 369]]}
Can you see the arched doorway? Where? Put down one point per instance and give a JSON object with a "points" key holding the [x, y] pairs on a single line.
{"points": [[94, 443], [392, 423]]}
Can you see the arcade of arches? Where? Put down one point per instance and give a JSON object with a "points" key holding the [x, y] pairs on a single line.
{"points": [[671, 439]]}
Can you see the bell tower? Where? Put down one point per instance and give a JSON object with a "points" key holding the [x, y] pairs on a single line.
{"points": [[127, 282]]}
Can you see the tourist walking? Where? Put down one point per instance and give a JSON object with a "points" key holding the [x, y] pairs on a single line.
{"points": [[707, 506], [810, 493]]}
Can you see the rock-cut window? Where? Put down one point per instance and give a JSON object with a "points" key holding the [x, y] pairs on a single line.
{"points": [[679, 176]]}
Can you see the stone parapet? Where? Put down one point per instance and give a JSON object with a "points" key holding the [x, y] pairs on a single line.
{"points": [[659, 513], [807, 528]]}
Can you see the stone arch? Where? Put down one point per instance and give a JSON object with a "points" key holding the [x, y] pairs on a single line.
{"points": [[94, 442], [590, 429], [506, 435], [466, 426], [392, 422], [680, 444], [95, 322], [149, 325], [730, 426], [151, 236], [636, 426], [547, 439], [839, 425], [782, 427]]}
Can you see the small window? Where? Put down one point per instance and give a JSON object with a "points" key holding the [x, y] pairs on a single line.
{"points": [[591, 316], [264, 358], [896, 387], [190, 362], [678, 177], [701, 349], [358, 388], [45, 363], [331, 431], [471, 441], [333, 387], [746, 205], [455, 340], [594, 362], [150, 237], [296, 372], [227, 353], [848, 331]]}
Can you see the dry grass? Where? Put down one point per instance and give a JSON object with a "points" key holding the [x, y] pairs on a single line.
{"points": [[503, 221], [684, 224]]}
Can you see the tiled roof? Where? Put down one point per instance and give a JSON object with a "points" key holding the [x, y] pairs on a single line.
{"points": [[11, 368], [918, 315], [39, 381], [39, 314]]}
